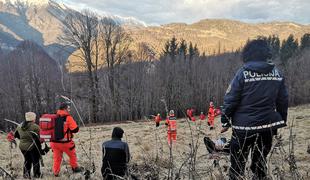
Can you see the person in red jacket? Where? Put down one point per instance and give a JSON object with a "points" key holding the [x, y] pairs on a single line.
{"points": [[65, 145], [211, 116], [10, 137], [171, 127], [190, 114], [157, 120], [202, 116]]}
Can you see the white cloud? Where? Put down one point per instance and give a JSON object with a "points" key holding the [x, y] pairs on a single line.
{"points": [[189, 11]]}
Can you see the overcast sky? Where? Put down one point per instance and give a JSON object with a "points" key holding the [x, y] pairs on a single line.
{"points": [[167, 11]]}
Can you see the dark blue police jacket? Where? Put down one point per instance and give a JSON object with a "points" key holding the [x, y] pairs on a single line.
{"points": [[115, 157], [256, 99]]}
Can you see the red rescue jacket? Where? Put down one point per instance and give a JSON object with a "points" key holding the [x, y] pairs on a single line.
{"points": [[202, 117], [157, 119], [211, 112], [10, 136]]}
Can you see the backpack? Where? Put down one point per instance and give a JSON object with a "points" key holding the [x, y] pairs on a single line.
{"points": [[52, 127]]}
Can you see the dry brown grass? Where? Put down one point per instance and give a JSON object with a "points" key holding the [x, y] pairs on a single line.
{"points": [[143, 147]]}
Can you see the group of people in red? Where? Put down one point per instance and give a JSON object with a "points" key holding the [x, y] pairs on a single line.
{"points": [[190, 113], [212, 113]]}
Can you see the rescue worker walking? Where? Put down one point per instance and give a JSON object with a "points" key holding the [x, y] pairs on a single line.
{"points": [[157, 120], [65, 145], [256, 101], [26, 132], [115, 156], [171, 127], [190, 114], [211, 116]]}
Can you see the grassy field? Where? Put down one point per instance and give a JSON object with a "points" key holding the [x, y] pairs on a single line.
{"points": [[150, 155]]}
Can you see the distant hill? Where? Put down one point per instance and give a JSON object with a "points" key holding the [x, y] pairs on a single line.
{"points": [[214, 35]]}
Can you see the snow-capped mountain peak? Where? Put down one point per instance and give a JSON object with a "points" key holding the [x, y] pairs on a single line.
{"points": [[29, 2], [123, 20]]}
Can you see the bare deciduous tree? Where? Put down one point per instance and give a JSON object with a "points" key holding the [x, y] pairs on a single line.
{"points": [[115, 43], [81, 31]]}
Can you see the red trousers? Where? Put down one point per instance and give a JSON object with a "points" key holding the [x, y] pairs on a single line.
{"points": [[58, 150], [211, 121], [171, 136]]}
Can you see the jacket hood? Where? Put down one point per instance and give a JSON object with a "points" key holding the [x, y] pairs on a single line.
{"points": [[259, 66], [25, 125]]}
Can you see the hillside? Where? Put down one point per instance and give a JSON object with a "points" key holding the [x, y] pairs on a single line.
{"points": [[39, 21], [143, 147], [212, 34], [25, 20]]}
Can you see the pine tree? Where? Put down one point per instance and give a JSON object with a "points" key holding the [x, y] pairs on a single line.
{"points": [[274, 43], [191, 51], [305, 41], [183, 48], [288, 49], [196, 51], [166, 48], [171, 48]]}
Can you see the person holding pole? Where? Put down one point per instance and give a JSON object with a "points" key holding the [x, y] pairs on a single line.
{"points": [[65, 145]]}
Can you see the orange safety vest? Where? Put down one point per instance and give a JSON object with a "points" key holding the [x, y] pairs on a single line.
{"points": [[171, 121]]}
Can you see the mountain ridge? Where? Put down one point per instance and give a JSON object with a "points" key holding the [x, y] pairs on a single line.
{"points": [[42, 20], [209, 34], [42, 24]]}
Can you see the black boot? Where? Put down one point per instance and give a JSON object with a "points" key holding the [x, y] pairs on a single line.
{"points": [[210, 145], [77, 169]]}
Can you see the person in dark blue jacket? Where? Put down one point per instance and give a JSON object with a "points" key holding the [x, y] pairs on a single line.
{"points": [[115, 156], [255, 106]]}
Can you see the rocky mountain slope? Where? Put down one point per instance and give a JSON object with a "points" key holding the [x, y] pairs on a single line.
{"points": [[39, 21]]}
